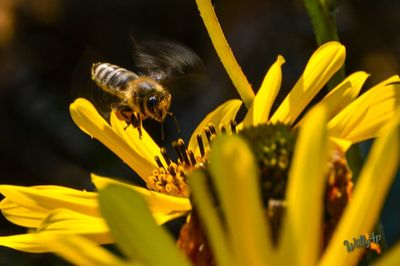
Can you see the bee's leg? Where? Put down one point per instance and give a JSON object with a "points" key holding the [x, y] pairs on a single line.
{"points": [[124, 114], [136, 122]]}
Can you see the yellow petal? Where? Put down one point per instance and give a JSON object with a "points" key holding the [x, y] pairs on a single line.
{"points": [[224, 52], [157, 202], [145, 146], [71, 222], [59, 221], [136, 234], [222, 115], [162, 217], [22, 216], [390, 257], [363, 210], [88, 119], [344, 93], [322, 65], [261, 106], [305, 192], [365, 117], [24, 242], [343, 144], [26, 206], [80, 251], [210, 218], [234, 172]]}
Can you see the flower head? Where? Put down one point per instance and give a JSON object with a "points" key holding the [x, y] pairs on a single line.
{"points": [[231, 212], [350, 119]]}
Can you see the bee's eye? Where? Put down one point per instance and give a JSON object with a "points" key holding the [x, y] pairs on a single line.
{"points": [[152, 101]]}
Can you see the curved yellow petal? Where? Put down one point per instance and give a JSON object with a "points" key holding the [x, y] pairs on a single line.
{"points": [[71, 222], [363, 210], [234, 172], [222, 115], [157, 202], [26, 217], [210, 218], [145, 145], [24, 242], [162, 217], [88, 119], [80, 251], [365, 117], [59, 221], [26, 206], [325, 61], [343, 144], [344, 93], [261, 106], [305, 193], [224, 52]]}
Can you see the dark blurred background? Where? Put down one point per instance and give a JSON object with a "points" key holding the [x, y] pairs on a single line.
{"points": [[48, 46]]}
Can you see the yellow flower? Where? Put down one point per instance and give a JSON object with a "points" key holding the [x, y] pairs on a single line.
{"points": [[350, 120], [237, 229], [64, 210], [300, 242]]}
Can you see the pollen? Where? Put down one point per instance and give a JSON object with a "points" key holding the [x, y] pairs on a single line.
{"points": [[338, 191], [170, 177]]}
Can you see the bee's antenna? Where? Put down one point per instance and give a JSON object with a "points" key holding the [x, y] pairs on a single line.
{"points": [[176, 122]]}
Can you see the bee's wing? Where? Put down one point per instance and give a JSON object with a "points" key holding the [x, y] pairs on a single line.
{"points": [[164, 60]]}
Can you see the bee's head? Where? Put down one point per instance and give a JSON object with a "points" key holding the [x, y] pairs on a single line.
{"points": [[149, 98], [158, 104]]}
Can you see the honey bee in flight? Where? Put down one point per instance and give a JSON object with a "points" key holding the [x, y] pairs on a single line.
{"points": [[143, 94]]}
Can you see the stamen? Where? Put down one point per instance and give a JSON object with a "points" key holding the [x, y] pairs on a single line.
{"points": [[172, 170], [223, 129], [182, 148], [200, 143], [177, 150], [212, 129], [158, 161], [208, 135], [182, 174], [192, 158], [171, 179], [165, 155], [233, 125]]}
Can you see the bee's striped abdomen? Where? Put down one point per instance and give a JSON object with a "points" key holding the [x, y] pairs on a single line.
{"points": [[112, 78]]}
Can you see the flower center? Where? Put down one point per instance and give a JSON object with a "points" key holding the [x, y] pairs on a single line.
{"points": [[272, 145], [338, 191], [171, 178]]}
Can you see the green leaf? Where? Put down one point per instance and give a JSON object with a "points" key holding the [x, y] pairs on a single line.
{"points": [[134, 229]]}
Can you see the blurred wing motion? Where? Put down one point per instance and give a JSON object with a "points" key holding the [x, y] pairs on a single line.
{"points": [[165, 61]]}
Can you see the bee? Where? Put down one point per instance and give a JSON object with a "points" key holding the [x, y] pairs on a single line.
{"points": [[143, 94]]}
